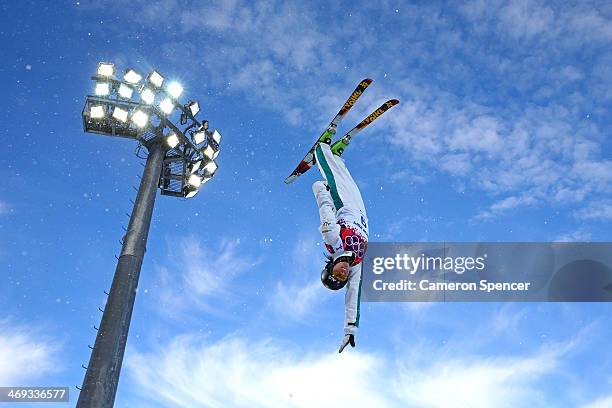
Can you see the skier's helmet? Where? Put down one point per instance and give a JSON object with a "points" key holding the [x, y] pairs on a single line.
{"points": [[329, 280]]}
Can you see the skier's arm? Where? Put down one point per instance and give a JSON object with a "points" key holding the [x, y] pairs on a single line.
{"points": [[351, 301], [330, 230]]}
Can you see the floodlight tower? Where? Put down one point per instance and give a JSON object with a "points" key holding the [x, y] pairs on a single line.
{"points": [[180, 159]]}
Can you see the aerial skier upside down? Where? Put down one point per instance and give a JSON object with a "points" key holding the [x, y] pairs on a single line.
{"points": [[344, 228], [344, 223]]}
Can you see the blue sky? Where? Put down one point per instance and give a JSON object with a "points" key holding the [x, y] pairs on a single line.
{"points": [[502, 134]]}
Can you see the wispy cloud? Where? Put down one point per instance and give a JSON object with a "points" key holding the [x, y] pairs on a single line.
{"points": [[596, 210], [507, 204], [603, 402], [478, 382], [519, 133], [192, 371], [303, 293], [526, 19], [235, 373], [579, 235], [25, 354], [537, 20], [522, 119], [263, 51], [296, 301], [201, 274], [533, 158]]}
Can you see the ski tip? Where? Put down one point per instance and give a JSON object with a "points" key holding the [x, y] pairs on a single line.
{"points": [[394, 101], [367, 80], [290, 179]]}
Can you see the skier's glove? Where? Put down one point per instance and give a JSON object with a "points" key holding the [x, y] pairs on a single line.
{"points": [[348, 339]]}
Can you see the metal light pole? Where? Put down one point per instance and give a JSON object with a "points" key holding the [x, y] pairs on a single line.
{"points": [[176, 163]]}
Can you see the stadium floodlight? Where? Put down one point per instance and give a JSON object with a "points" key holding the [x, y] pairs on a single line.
{"points": [[106, 69], [175, 89], [96, 112], [199, 137], [215, 151], [175, 165], [210, 152], [194, 180], [211, 167], [190, 192], [120, 114], [132, 76], [156, 79], [172, 140], [195, 166], [125, 91], [140, 118], [102, 88], [147, 96], [194, 108], [216, 136], [166, 106]]}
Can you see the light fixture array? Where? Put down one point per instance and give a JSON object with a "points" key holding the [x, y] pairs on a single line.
{"points": [[137, 104]]}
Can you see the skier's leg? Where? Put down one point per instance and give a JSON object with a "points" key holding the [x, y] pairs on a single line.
{"points": [[352, 300], [328, 174], [330, 230], [343, 188]]}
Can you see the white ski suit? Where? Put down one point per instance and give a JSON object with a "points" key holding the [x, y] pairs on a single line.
{"points": [[344, 224]]}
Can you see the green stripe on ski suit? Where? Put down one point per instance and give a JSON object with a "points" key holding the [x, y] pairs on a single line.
{"points": [[359, 299], [329, 176]]}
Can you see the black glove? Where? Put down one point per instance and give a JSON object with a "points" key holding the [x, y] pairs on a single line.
{"points": [[348, 339]]}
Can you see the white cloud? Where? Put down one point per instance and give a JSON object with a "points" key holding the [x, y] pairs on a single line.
{"points": [[571, 73], [478, 382], [201, 275], [526, 18], [262, 50], [303, 293], [208, 271], [456, 164], [296, 301], [237, 372], [25, 354], [416, 309], [512, 202], [590, 23], [579, 235], [603, 402], [596, 210], [507, 204], [536, 21], [539, 157], [507, 119], [521, 150], [507, 320]]}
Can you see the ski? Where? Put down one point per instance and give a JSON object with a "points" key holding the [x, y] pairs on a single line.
{"points": [[326, 137], [339, 146], [351, 101]]}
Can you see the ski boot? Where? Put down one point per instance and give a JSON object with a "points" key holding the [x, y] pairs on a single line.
{"points": [[338, 147], [326, 138], [328, 135]]}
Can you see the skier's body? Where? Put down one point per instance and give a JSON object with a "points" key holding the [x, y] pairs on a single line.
{"points": [[344, 227]]}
